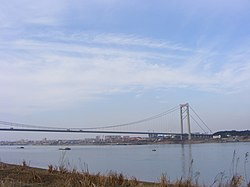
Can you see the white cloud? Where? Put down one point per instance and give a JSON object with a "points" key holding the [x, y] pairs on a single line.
{"points": [[131, 40], [20, 14], [44, 75]]}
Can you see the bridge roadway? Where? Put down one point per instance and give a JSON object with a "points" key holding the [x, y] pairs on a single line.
{"points": [[98, 132]]}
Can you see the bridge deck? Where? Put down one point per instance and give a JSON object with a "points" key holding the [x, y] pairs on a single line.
{"points": [[95, 131]]}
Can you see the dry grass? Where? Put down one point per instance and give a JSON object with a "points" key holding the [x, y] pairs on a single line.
{"points": [[25, 176]]}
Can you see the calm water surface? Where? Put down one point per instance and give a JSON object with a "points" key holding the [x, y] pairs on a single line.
{"points": [[174, 160]]}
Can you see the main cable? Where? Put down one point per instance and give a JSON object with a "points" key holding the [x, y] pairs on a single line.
{"points": [[198, 124], [134, 122], [201, 120], [14, 124]]}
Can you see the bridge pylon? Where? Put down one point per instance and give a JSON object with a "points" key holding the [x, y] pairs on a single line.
{"points": [[184, 113]]}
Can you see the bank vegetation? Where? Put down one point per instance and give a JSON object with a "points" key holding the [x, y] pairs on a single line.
{"points": [[24, 176]]}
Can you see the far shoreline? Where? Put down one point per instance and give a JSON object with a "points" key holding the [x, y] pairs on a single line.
{"points": [[177, 142]]}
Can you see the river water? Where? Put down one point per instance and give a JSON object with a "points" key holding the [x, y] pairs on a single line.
{"points": [[206, 162]]}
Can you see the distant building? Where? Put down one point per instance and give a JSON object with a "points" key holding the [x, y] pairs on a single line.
{"points": [[98, 138], [154, 135], [113, 138], [216, 136]]}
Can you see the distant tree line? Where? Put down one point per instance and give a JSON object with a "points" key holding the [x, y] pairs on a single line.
{"points": [[232, 133]]}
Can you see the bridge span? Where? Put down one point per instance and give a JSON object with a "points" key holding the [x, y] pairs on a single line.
{"points": [[103, 132], [184, 115]]}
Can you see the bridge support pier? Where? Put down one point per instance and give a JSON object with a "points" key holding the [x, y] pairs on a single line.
{"points": [[184, 110]]}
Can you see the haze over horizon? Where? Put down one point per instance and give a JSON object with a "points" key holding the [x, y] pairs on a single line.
{"points": [[89, 63]]}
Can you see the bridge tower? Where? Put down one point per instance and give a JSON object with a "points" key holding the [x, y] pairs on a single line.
{"points": [[184, 113]]}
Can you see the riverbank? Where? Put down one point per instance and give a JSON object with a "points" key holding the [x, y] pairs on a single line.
{"points": [[23, 176]]}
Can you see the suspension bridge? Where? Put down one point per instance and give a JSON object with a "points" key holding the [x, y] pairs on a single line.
{"points": [[163, 124]]}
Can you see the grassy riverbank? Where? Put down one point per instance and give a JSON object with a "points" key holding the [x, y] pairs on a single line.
{"points": [[23, 175]]}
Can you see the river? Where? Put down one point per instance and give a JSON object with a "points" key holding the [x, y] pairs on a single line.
{"points": [[206, 162]]}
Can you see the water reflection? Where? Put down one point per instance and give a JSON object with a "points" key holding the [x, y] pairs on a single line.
{"points": [[187, 160]]}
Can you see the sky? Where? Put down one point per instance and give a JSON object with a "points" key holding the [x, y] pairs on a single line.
{"points": [[90, 63]]}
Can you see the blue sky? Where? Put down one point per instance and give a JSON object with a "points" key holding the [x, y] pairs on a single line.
{"points": [[87, 63]]}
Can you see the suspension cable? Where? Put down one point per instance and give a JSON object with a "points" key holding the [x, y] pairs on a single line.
{"points": [[201, 120], [197, 123], [13, 124], [136, 122]]}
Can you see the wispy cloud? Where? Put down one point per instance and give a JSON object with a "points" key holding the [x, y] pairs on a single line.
{"points": [[45, 74], [23, 14], [110, 39], [132, 40]]}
